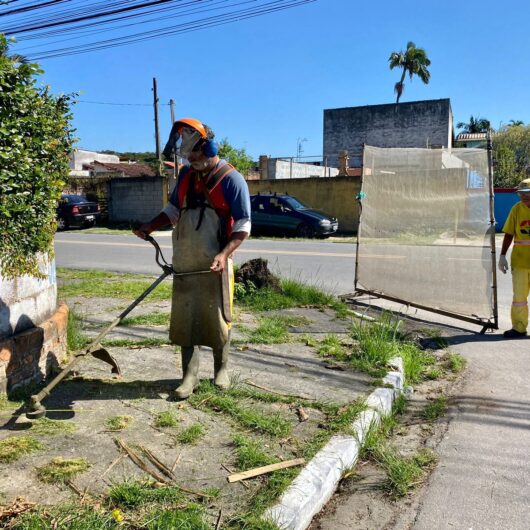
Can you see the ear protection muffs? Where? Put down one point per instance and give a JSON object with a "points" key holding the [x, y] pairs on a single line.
{"points": [[210, 148]]}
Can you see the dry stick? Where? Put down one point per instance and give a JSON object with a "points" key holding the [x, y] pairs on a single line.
{"points": [[265, 469], [177, 460], [231, 471], [218, 523], [121, 457], [138, 461], [74, 488], [157, 463], [251, 383]]}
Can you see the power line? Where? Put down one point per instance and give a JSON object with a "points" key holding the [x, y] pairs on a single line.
{"points": [[119, 104], [100, 17]]}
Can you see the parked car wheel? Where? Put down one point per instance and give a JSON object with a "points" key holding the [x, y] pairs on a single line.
{"points": [[61, 224], [305, 230]]}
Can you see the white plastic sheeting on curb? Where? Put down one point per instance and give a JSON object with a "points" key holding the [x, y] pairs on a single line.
{"points": [[315, 485]]}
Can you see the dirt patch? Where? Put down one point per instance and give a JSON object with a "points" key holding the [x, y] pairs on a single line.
{"points": [[256, 273]]}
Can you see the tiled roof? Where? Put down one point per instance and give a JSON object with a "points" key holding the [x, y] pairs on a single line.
{"points": [[470, 136], [131, 170]]}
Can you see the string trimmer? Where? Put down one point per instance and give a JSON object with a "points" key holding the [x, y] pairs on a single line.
{"points": [[36, 409]]}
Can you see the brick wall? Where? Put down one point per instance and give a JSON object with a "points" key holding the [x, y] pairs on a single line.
{"points": [[413, 124], [136, 198], [32, 354]]}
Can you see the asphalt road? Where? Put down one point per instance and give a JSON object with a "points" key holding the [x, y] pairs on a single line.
{"points": [[328, 265]]}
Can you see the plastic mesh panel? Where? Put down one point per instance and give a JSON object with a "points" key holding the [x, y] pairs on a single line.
{"points": [[424, 234]]}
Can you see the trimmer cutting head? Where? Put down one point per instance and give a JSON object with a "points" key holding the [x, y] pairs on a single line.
{"points": [[36, 410]]}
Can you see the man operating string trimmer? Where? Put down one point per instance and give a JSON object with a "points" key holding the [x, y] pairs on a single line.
{"points": [[210, 212]]}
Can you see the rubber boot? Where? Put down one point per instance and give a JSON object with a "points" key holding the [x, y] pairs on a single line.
{"points": [[220, 367], [190, 371]]}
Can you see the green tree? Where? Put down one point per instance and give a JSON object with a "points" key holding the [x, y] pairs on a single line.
{"points": [[413, 61], [515, 123], [239, 158], [511, 152], [35, 143], [475, 125]]}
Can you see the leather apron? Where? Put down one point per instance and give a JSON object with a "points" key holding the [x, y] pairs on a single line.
{"points": [[201, 304]]}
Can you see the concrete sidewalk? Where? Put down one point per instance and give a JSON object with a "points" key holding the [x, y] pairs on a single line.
{"points": [[483, 478]]}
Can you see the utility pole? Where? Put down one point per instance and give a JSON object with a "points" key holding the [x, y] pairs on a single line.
{"points": [[172, 107], [175, 158], [157, 130]]}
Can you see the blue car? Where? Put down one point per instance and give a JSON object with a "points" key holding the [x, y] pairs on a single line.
{"points": [[281, 215]]}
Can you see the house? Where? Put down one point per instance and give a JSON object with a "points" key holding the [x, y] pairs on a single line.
{"points": [[471, 140]]}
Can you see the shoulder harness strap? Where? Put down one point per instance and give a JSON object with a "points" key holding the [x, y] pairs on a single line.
{"points": [[218, 176]]}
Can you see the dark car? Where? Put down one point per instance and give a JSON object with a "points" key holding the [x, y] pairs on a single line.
{"points": [[76, 210], [283, 215]]}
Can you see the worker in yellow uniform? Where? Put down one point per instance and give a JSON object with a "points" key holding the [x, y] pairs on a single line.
{"points": [[517, 229]]}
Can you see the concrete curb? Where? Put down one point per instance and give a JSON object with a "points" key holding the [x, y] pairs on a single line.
{"points": [[317, 482]]}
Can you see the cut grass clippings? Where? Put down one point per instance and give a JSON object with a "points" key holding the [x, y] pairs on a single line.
{"points": [[14, 447], [118, 423], [274, 329], [60, 470], [47, 427]]}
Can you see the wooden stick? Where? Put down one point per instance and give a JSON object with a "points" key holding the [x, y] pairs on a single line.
{"points": [[265, 469], [218, 523], [176, 463], [251, 383], [157, 463], [121, 457], [231, 471], [138, 461]]}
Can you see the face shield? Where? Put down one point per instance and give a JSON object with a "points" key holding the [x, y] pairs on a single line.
{"points": [[186, 140]]}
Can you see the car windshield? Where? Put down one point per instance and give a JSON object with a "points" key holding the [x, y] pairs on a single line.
{"points": [[295, 204]]}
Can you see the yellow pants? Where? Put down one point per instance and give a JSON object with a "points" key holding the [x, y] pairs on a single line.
{"points": [[521, 288]]}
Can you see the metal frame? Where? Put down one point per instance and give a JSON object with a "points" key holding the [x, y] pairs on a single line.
{"points": [[485, 323]]}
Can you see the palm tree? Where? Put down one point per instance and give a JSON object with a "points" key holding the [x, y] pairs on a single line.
{"points": [[475, 125], [414, 61], [515, 123]]}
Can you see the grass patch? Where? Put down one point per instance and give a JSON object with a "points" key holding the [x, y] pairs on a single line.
{"points": [[99, 284], [208, 396], [433, 374], [167, 418], [435, 409], [71, 517], [126, 343], [249, 453], [403, 474], [7, 404], [47, 427], [149, 319], [377, 342], [331, 346], [132, 494], [14, 447], [192, 434], [456, 363], [291, 294], [270, 330], [118, 423], [190, 518], [75, 338], [59, 470]]}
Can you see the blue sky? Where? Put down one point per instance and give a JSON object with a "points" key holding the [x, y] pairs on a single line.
{"points": [[263, 83]]}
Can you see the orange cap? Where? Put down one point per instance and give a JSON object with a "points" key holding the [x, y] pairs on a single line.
{"points": [[194, 124]]}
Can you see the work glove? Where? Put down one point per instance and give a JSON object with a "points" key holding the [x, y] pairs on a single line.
{"points": [[503, 264]]}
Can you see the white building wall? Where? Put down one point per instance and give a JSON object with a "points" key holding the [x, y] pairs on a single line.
{"points": [[284, 169], [27, 301], [80, 157]]}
